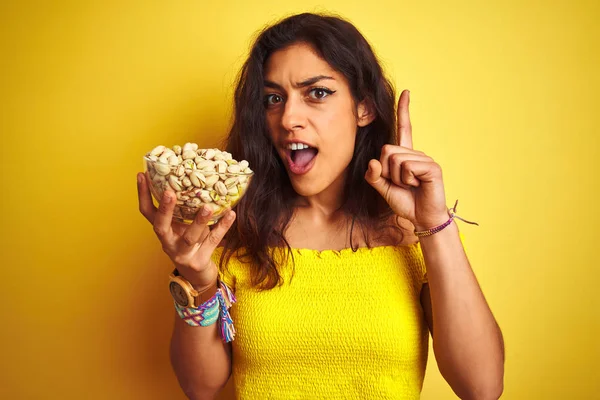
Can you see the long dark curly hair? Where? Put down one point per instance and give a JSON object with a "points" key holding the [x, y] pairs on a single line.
{"points": [[263, 214]]}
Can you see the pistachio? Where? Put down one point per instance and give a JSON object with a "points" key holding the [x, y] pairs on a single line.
{"points": [[180, 171], [157, 151], [212, 179], [189, 154], [234, 169], [198, 179], [198, 176], [162, 169], [175, 184], [231, 182], [205, 196], [221, 188], [195, 202], [222, 167], [210, 153], [173, 160]]}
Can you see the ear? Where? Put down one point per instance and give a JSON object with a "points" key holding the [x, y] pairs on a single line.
{"points": [[365, 114]]}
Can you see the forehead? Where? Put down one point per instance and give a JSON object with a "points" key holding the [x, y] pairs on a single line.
{"points": [[297, 62]]}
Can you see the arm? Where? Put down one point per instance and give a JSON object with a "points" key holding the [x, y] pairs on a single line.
{"points": [[200, 359], [467, 343]]}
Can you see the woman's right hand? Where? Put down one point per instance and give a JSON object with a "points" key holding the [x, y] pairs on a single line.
{"points": [[190, 247]]}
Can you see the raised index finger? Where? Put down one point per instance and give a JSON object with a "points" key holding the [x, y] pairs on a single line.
{"points": [[404, 130]]}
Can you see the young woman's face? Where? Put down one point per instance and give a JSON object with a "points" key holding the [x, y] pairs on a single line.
{"points": [[308, 102]]}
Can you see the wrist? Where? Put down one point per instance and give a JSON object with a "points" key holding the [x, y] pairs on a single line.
{"points": [[206, 292], [431, 223]]}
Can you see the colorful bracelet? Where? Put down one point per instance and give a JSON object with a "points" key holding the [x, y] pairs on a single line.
{"points": [[215, 309], [452, 214]]}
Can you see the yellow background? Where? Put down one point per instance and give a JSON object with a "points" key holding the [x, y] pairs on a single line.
{"points": [[504, 98]]}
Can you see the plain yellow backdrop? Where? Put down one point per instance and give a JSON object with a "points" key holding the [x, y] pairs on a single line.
{"points": [[504, 98]]}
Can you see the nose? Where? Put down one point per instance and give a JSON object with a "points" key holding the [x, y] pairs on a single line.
{"points": [[293, 117]]}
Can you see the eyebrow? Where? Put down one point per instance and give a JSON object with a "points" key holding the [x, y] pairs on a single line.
{"points": [[307, 82]]}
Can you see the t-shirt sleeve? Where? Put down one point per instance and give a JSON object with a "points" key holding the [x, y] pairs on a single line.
{"points": [[423, 267]]}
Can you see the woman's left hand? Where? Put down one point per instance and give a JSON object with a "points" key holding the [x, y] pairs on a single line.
{"points": [[409, 180]]}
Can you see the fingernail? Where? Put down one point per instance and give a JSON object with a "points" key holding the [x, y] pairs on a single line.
{"points": [[139, 178], [204, 211], [166, 198]]}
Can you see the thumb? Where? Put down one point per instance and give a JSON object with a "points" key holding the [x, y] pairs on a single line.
{"points": [[373, 176]]}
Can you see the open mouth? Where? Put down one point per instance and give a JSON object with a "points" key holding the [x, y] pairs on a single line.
{"points": [[301, 161]]}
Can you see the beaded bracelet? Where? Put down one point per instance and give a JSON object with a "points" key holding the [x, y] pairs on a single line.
{"points": [[452, 214], [215, 309]]}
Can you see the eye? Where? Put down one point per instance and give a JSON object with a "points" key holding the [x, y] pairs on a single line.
{"points": [[319, 93], [272, 99]]}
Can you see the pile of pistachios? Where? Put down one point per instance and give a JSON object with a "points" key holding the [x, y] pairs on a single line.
{"points": [[198, 177]]}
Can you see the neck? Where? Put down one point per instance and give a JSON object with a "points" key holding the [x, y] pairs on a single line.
{"points": [[323, 207]]}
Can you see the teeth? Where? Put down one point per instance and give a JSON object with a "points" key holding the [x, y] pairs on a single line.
{"points": [[297, 146]]}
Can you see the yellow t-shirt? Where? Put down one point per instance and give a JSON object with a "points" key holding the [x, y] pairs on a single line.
{"points": [[349, 326]]}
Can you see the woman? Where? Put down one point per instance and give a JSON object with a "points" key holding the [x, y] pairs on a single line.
{"points": [[343, 204]]}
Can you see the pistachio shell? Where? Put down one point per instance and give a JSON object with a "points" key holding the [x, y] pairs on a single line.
{"points": [[195, 202], [153, 158], [221, 188], [199, 159], [231, 182], [180, 171], [234, 169], [230, 162], [173, 160], [232, 191], [186, 182], [177, 149], [205, 196], [243, 164], [214, 195], [222, 167], [186, 147], [162, 169], [212, 179], [198, 179], [189, 154], [194, 146], [175, 184], [219, 157], [157, 151], [210, 153]]}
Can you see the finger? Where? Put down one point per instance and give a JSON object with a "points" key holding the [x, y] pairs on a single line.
{"points": [[216, 234], [398, 167], [145, 198], [197, 231], [388, 151], [416, 172], [374, 178], [404, 126], [163, 219]]}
